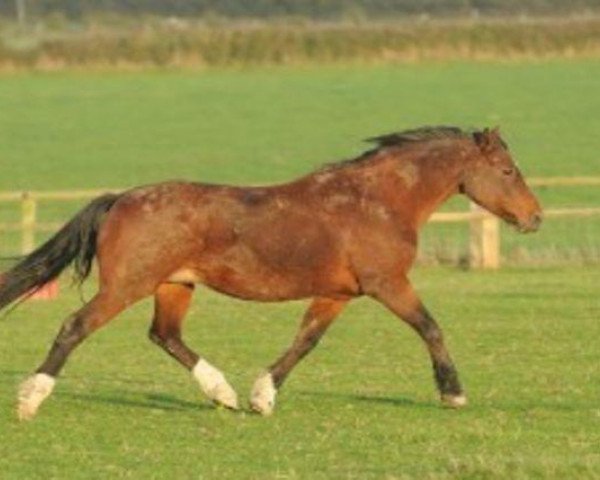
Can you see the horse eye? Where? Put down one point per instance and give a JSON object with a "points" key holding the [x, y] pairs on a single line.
{"points": [[508, 171]]}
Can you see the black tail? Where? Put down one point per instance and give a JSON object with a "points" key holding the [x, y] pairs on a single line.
{"points": [[75, 242]]}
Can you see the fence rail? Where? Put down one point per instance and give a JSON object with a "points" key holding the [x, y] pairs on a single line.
{"points": [[484, 228]]}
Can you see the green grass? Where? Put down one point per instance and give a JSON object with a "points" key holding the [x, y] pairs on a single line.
{"points": [[88, 130], [363, 405], [71, 130]]}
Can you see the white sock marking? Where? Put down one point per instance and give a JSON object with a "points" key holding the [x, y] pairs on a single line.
{"points": [[32, 392], [454, 401], [262, 397], [213, 384]]}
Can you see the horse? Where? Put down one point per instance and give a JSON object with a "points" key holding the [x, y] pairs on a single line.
{"points": [[346, 230]]}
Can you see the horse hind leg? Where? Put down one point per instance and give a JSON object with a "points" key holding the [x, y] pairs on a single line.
{"points": [[319, 316], [38, 387], [172, 301]]}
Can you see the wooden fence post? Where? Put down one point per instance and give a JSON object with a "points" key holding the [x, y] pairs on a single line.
{"points": [[484, 241], [28, 218], [48, 291], [21, 8]]}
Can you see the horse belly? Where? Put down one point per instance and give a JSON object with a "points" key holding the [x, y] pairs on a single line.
{"points": [[273, 288], [245, 276]]}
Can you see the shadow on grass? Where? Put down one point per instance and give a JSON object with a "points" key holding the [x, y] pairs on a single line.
{"points": [[123, 398], [523, 408], [373, 399], [152, 401], [15, 374]]}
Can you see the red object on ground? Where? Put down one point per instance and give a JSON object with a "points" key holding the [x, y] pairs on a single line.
{"points": [[46, 292]]}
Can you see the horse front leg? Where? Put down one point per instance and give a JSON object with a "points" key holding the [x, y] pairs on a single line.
{"points": [[399, 297], [319, 316]]}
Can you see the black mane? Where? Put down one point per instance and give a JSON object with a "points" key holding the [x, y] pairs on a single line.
{"points": [[420, 134]]}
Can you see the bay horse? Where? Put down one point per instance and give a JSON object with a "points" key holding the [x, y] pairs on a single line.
{"points": [[346, 230]]}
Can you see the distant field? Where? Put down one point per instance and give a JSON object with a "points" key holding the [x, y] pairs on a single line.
{"points": [[89, 130], [264, 125], [363, 406]]}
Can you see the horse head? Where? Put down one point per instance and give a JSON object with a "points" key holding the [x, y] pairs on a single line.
{"points": [[493, 181]]}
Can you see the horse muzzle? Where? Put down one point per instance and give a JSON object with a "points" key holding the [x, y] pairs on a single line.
{"points": [[532, 224]]}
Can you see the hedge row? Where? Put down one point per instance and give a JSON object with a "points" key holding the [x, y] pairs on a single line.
{"points": [[182, 44]]}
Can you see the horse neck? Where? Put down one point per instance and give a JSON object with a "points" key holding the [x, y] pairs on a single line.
{"points": [[415, 184]]}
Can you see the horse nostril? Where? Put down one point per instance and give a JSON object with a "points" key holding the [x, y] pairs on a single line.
{"points": [[535, 221]]}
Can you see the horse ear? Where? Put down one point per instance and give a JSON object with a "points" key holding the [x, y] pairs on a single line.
{"points": [[484, 140]]}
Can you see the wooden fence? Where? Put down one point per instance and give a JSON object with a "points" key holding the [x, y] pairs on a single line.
{"points": [[484, 238]]}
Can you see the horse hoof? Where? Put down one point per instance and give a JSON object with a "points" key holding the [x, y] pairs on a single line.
{"points": [[32, 392], [454, 401], [225, 396], [262, 397]]}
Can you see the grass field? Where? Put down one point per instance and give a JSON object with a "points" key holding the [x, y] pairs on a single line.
{"points": [[362, 406], [71, 130]]}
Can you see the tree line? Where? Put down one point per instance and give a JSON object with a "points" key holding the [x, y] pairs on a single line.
{"points": [[315, 9]]}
